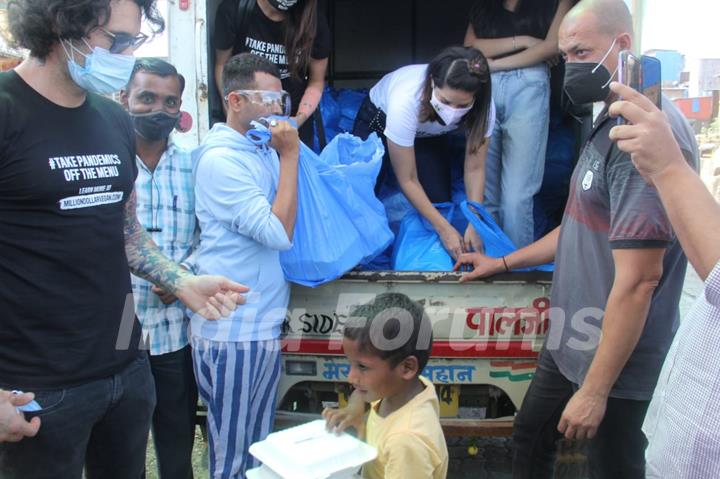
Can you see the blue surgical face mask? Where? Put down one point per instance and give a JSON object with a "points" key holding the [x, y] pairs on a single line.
{"points": [[103, 73]]}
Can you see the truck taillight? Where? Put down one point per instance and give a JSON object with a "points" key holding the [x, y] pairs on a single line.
{"points": [[300, 368], [184, 4]]}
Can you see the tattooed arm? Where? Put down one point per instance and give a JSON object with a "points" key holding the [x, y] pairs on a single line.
{"points": [[144, 257], [211, 296]]}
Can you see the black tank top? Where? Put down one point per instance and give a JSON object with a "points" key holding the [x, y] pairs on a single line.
{"points": [[490, 19]]}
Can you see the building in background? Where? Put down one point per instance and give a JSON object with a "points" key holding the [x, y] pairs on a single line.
{"points": [[673, 65], [675, 79], [709, 80]]}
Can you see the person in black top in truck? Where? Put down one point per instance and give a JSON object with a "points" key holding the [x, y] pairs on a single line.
{"points": [[292, 34]]}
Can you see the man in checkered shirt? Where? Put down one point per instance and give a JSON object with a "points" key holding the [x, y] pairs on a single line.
{"points": [[682, 424], [166, 208]]}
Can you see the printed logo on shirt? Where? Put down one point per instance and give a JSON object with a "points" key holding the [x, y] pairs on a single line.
{"points": [[86, 167], [86, 201], [587, 181], [82, 168], [275, 52]]}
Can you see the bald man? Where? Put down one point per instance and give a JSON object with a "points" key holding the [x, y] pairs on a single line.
{"points": [[618, 277]]}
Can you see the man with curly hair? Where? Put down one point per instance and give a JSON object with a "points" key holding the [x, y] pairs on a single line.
{"points": [[69, 238]]}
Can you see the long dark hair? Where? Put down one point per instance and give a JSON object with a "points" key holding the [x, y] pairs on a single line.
{"points": [[466, 69], [300, 24], [532, 15]]}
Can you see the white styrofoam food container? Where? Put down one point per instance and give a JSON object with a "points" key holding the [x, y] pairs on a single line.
{"points": [[264, 472], [309, 451]]}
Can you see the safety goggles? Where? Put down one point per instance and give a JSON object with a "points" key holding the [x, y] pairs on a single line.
{"points": [[121, 41], [278, 102]]}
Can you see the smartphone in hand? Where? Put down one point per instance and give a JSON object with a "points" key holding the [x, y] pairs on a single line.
{"points": [[643, 74]]}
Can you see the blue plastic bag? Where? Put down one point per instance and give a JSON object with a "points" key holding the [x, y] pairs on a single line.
{"points": [[339, 221], [349, 166], [260, 134], [418, 246], [338, 109], [495, 241], [349, 102], [325, 241], [397, 208]]}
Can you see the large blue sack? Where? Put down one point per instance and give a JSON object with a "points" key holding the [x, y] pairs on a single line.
{"points": [[397, 208], [349, 102], [349, 167], [418, 247], [339, 221], [495, 241], [338, 109]]}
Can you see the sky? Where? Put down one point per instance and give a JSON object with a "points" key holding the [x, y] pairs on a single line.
{"points": [[690, 26]]}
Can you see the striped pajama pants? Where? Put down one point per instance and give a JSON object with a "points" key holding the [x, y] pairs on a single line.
{"points": [[238, 382]]}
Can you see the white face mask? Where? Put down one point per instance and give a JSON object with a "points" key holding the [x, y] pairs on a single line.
{"points": [[450, 115]]}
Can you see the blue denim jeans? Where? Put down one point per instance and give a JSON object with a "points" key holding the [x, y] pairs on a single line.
{"points": [[516, 156], [102, 425]]}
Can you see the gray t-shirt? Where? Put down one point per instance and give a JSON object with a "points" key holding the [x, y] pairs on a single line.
{"points": [[611, 207]]}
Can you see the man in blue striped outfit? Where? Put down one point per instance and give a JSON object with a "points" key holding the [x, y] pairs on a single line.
{"points": [[246, 203]]}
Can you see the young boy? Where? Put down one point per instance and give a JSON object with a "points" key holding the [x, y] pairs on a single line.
{"points": [[388, 344]]}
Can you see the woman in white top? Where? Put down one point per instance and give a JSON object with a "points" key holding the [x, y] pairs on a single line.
{"points": [[413, 109]]}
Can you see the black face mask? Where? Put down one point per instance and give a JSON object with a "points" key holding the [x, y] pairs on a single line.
{"points": [[156, 125], [283, 5], [588, 82]]}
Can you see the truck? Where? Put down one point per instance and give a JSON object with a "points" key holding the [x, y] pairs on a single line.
{"points": [[487, 334]]}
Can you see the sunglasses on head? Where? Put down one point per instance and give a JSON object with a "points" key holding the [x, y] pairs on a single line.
{"points": [[121, 41]]}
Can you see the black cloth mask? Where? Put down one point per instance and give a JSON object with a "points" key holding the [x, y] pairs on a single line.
{"points": [[588, 82], [156, 125]]}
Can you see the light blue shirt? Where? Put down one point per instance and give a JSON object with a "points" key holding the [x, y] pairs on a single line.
{"points": [[241, 238]]}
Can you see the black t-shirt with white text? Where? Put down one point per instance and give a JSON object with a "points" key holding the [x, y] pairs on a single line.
{"points": [[266, 38], [65, 176]]}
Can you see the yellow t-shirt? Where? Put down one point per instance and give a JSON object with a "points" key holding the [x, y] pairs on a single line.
{"points": [[410, 441]]}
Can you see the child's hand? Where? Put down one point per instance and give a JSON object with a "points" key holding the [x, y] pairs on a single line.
{"points": [[353, 415]]}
